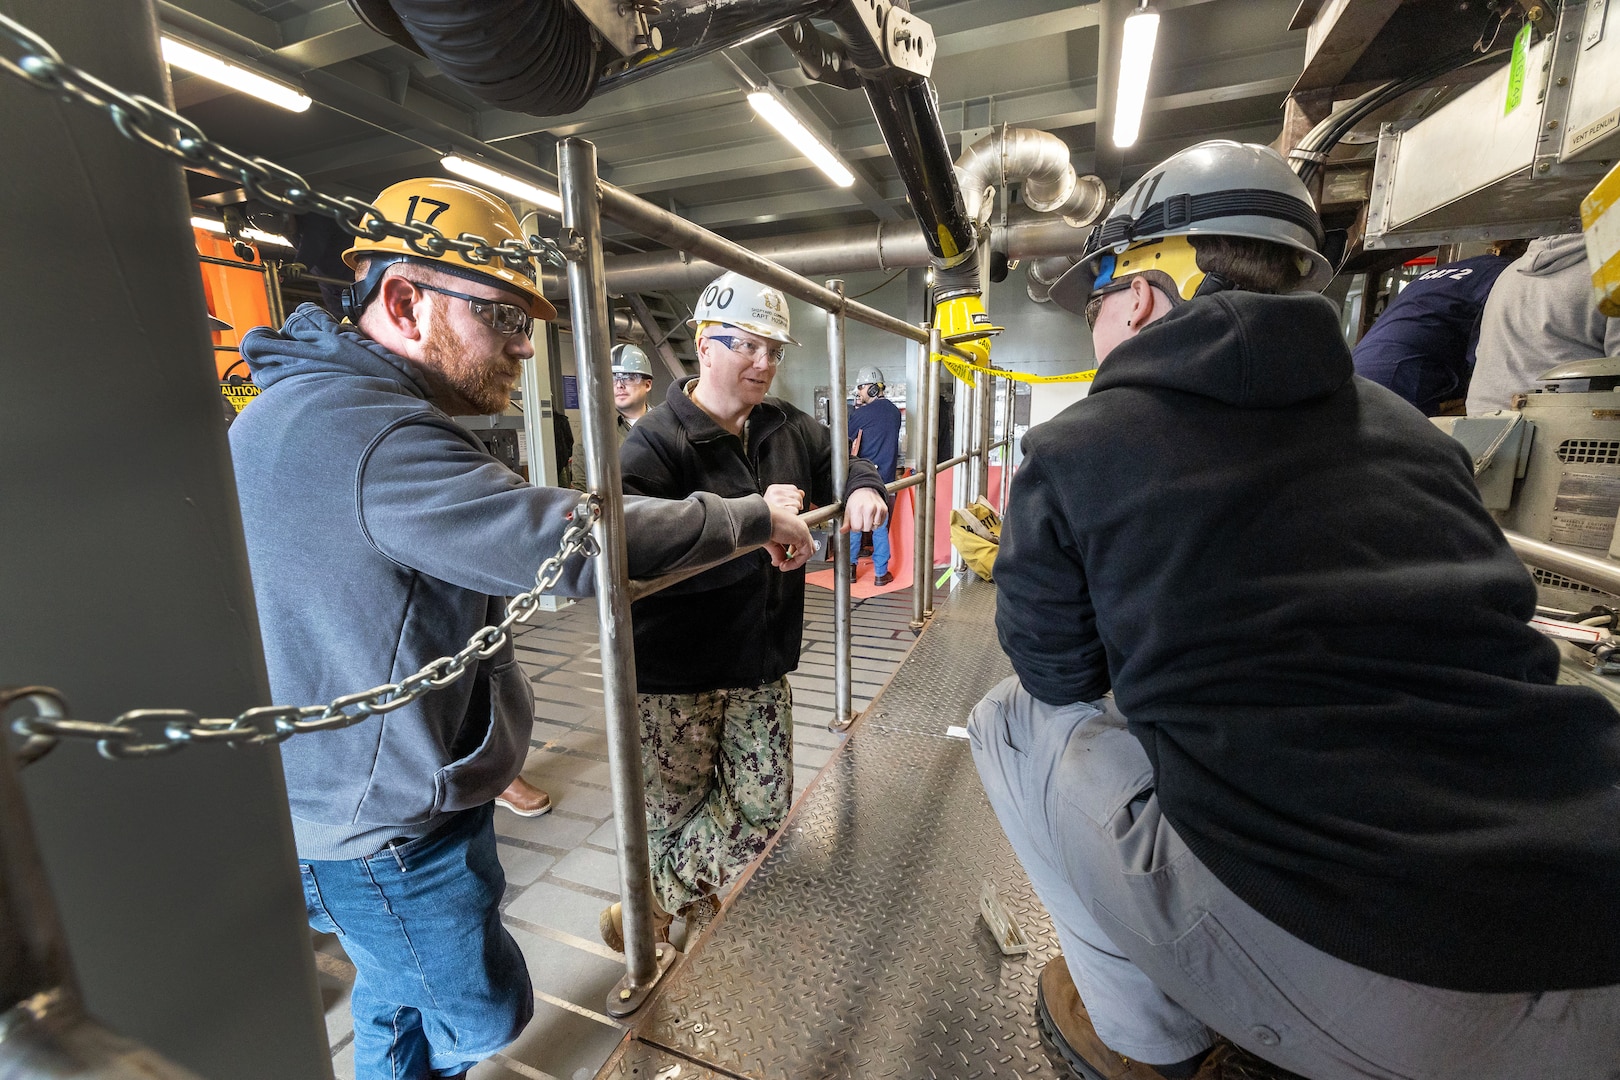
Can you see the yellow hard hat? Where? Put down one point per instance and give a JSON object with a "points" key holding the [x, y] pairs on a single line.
{"points": [[454, 208]]}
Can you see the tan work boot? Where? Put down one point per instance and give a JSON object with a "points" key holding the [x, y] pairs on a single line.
{"points": [[611, 924], [1063, 1019]]}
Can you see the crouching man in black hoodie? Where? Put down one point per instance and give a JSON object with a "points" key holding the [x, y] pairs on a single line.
{"points": [[1337, 809]]}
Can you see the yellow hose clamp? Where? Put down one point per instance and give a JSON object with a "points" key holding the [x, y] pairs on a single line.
{"points": [[963, 322]]}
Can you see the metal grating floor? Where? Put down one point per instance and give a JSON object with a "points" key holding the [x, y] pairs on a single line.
{"points": [[856, 949]]}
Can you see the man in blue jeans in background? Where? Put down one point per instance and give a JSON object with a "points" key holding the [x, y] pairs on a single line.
{"points": [[874, 434], [381, 536]]}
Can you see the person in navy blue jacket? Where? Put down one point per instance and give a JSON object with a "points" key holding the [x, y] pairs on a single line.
{"points": [[1422, 346]]}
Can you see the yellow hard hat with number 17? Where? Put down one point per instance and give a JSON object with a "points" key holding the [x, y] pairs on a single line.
{"points": [[454, 209]]}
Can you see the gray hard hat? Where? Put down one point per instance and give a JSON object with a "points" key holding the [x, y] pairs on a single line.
{"points": [[1216, 188], [630, 360], [870, 376]]}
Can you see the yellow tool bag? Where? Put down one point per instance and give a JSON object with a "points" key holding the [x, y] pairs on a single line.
{"points": [[976, 535]]}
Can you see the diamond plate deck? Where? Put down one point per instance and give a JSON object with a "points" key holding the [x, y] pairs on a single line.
{"points": [[856, 949]]}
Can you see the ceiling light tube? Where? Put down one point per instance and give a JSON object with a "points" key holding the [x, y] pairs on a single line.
{"points": [[186, 57], [1135, 64], [258, 236], [499, 181], [779, 116]]}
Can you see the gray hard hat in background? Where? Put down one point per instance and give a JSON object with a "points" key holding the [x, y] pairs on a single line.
{"points": [[630, 360], [870, 376], [1216, 188]]}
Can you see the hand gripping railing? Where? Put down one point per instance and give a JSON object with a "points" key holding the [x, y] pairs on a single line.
{"points": [[587, 200]]}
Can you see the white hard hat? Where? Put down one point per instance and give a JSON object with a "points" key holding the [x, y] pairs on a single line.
{"points": [[630, 360], [870, 376], [736, 301]]}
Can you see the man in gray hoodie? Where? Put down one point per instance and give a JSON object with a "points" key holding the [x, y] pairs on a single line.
{"points": [[381, 536], [1540, 314]]}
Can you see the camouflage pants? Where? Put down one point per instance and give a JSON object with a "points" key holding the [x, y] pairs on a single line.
{"points": [[719, 775]]}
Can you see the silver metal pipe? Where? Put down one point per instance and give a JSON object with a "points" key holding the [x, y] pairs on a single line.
{"points": [[592, 345], [1041, 274], [931, 488], [959, 459], [987, 419], [921, 417], [843, 700], [644, 587], [885, 247], [904, 482], [1600, 573], [1008, 413], [1041, 162], [659, 224]]}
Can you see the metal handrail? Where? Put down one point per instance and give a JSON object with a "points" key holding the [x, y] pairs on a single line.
{"points": [[587, 200], [640, 588], [1591, 570]]}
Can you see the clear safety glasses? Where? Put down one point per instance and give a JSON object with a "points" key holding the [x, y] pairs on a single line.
{"points": [[751, 351], [629, 380], [505, 319]]}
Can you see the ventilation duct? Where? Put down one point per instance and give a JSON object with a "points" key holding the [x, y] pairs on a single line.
{"points": [[1043, 274], [885, 247], [1039, 162]]}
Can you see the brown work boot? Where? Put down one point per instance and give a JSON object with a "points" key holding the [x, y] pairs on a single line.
{"points": [[524, 799], [1063, 1020], [1228, 1061], [611, 924]]}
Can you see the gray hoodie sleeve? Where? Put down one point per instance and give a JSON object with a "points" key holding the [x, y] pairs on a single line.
{"points": [[430, 500]]}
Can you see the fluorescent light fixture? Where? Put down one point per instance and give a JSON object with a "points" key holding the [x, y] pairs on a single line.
{"points": [[189, 58], [776, 112], [258, 236], [1135, 63], [499, 181]]}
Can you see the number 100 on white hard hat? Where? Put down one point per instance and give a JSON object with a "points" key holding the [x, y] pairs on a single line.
{"points": [[737, 301]]}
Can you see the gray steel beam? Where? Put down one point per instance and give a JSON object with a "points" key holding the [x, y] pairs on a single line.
{"points": [[125, 583]]}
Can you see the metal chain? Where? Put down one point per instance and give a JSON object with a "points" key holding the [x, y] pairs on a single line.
{"points": [[150, 732], [142, 120]]}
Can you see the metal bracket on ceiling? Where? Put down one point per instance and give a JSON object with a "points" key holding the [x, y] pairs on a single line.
{"points": [[623, 24], [906, 42]]}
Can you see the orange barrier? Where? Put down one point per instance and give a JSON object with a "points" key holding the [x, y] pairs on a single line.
{"points": [[900, 540]]}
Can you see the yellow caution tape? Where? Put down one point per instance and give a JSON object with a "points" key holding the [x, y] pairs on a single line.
{"points": [[962, 369]]}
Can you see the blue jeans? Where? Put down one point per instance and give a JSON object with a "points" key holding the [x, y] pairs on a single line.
{"points": [[880, 550], [439, 983]]}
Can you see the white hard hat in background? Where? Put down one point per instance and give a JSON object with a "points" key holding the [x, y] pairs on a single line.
{"points": [[630, 360], [736, 301], [870, 376]]}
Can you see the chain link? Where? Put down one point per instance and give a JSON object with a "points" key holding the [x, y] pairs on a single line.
{"points": [[142, 120], [152, 732]]}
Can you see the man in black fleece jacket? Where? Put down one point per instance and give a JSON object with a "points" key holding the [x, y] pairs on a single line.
{"points": [[1337, 808]]}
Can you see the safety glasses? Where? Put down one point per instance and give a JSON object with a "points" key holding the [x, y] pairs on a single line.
{"points": [[505, 319], [751, 351], [629, 380]]}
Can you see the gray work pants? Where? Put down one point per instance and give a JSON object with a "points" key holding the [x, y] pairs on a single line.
{"points": [[1159, 948]]}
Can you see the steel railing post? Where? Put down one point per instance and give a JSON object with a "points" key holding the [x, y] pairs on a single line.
{"points": [[985, 415], [1007, 446], [922, 412], [843, 573], [931, 485], [587, 295]]}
